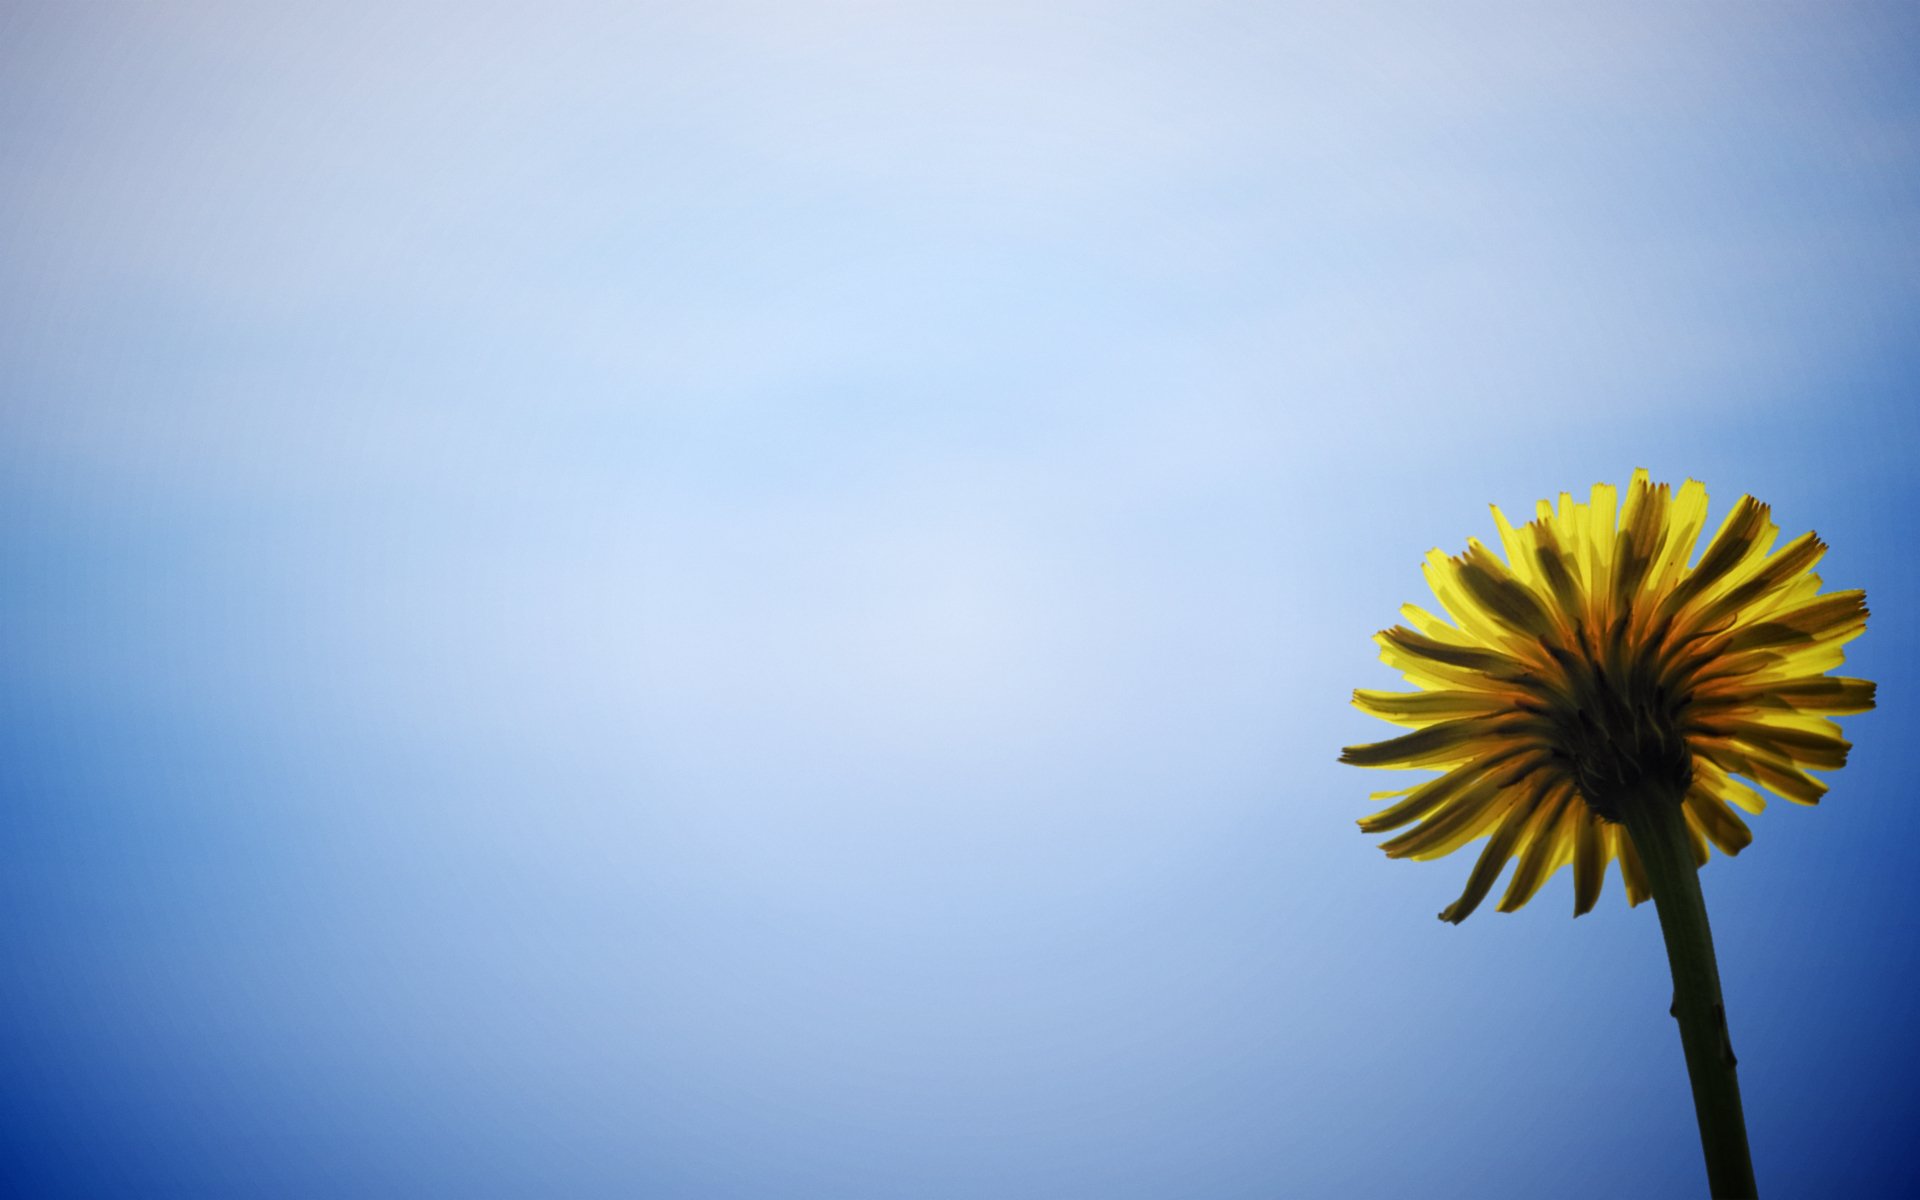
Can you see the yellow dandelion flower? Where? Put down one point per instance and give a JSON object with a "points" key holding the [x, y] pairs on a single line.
{"points": [[1598, 695], [1594, 665]]}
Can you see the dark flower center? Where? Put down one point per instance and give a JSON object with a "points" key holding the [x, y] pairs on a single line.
{"points": [[1620, 739]]}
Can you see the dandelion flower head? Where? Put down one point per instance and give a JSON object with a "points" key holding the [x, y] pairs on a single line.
{"points": [[1597, 667]]}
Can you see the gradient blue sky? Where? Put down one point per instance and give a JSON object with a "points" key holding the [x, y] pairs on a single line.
{"points": [[736, 600]]}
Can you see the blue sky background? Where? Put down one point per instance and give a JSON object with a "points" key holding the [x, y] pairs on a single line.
{"points": [[733, 600]]}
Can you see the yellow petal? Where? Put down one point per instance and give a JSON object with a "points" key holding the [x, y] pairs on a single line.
{"points": [[1518, 542], [1725, 786], [1716, 821], [1501, 598], [1436, 745], [1493, 859], [1796, 558], [1591, 852], [1426, 797], [1827, 694], [1425, 708], [1546, 846], [1685, 517], [1631, 872], [1801, 747], [1469, 816]]}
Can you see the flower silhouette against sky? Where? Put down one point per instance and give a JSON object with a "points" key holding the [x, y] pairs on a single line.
{"points": [[1600, 696]]}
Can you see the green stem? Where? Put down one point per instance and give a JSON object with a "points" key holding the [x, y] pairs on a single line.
{"points": [[1658, 828]]}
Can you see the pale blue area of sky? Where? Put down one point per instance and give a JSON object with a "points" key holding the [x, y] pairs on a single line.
{"points": [[735, 600]]}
